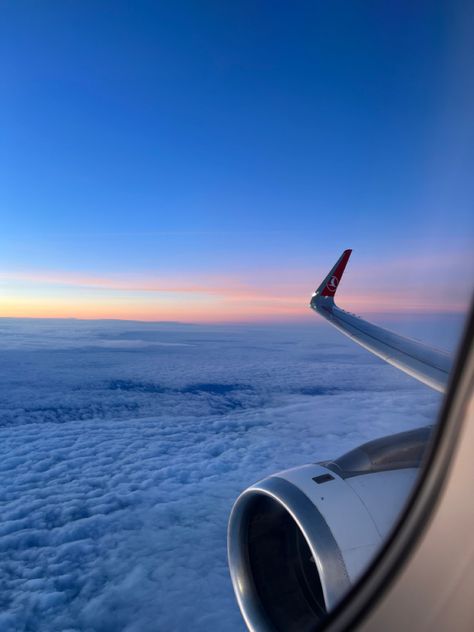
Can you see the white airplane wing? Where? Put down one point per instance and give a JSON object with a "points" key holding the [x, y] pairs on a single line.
{"points": [[422, 362], [299, 539]]}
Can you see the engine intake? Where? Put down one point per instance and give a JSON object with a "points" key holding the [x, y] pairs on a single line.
{"points": [[282, 580], [298, 540]]}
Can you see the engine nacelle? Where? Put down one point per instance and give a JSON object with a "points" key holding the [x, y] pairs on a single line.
{"points": [[299, 539]]}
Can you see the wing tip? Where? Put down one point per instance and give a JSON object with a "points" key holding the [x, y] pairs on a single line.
{"points": [[328, 287]]}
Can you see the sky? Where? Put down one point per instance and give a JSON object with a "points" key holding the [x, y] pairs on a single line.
{"points": [[209, 161]]}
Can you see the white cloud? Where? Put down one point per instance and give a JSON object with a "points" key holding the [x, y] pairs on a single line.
{"points": [[120, 465]]}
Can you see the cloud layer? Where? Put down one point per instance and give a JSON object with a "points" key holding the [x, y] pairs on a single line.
{"points": [[124, 446]]}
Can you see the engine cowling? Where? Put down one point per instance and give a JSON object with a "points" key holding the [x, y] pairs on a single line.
{"points": [[299, 539]]}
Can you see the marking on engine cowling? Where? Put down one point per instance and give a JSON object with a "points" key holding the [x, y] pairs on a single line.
{"points": [[323, 478]]}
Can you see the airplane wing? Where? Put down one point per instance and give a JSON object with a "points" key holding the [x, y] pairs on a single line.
{"points": [[299, 539], [421, 361]]}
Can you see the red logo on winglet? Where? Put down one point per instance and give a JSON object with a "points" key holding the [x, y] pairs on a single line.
{"points": [[336, 274], [332, 283]]}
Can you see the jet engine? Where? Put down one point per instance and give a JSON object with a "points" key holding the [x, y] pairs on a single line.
{"points": [[299, 539]]}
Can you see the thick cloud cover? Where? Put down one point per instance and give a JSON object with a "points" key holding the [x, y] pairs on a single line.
{"points": [[124, 445]]}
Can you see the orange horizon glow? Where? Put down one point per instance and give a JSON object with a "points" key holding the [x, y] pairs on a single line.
{"points": [[209, 299]]}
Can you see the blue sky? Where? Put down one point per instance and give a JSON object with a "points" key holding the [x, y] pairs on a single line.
{"points": [[241, 140]]}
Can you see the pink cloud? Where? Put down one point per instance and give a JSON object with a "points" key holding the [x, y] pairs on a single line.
{"points": [[266, 295]]}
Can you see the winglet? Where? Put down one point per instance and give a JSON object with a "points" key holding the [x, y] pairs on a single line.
{"points": [[424, 363], [330, 284]]}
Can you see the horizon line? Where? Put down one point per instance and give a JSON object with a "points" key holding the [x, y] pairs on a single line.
{"points": [[257, 321]]}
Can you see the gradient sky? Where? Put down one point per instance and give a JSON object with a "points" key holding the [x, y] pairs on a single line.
{"points": [[209, 161]]}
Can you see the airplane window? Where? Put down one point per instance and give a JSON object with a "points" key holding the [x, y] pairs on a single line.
{"points": [[236, 266]]}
